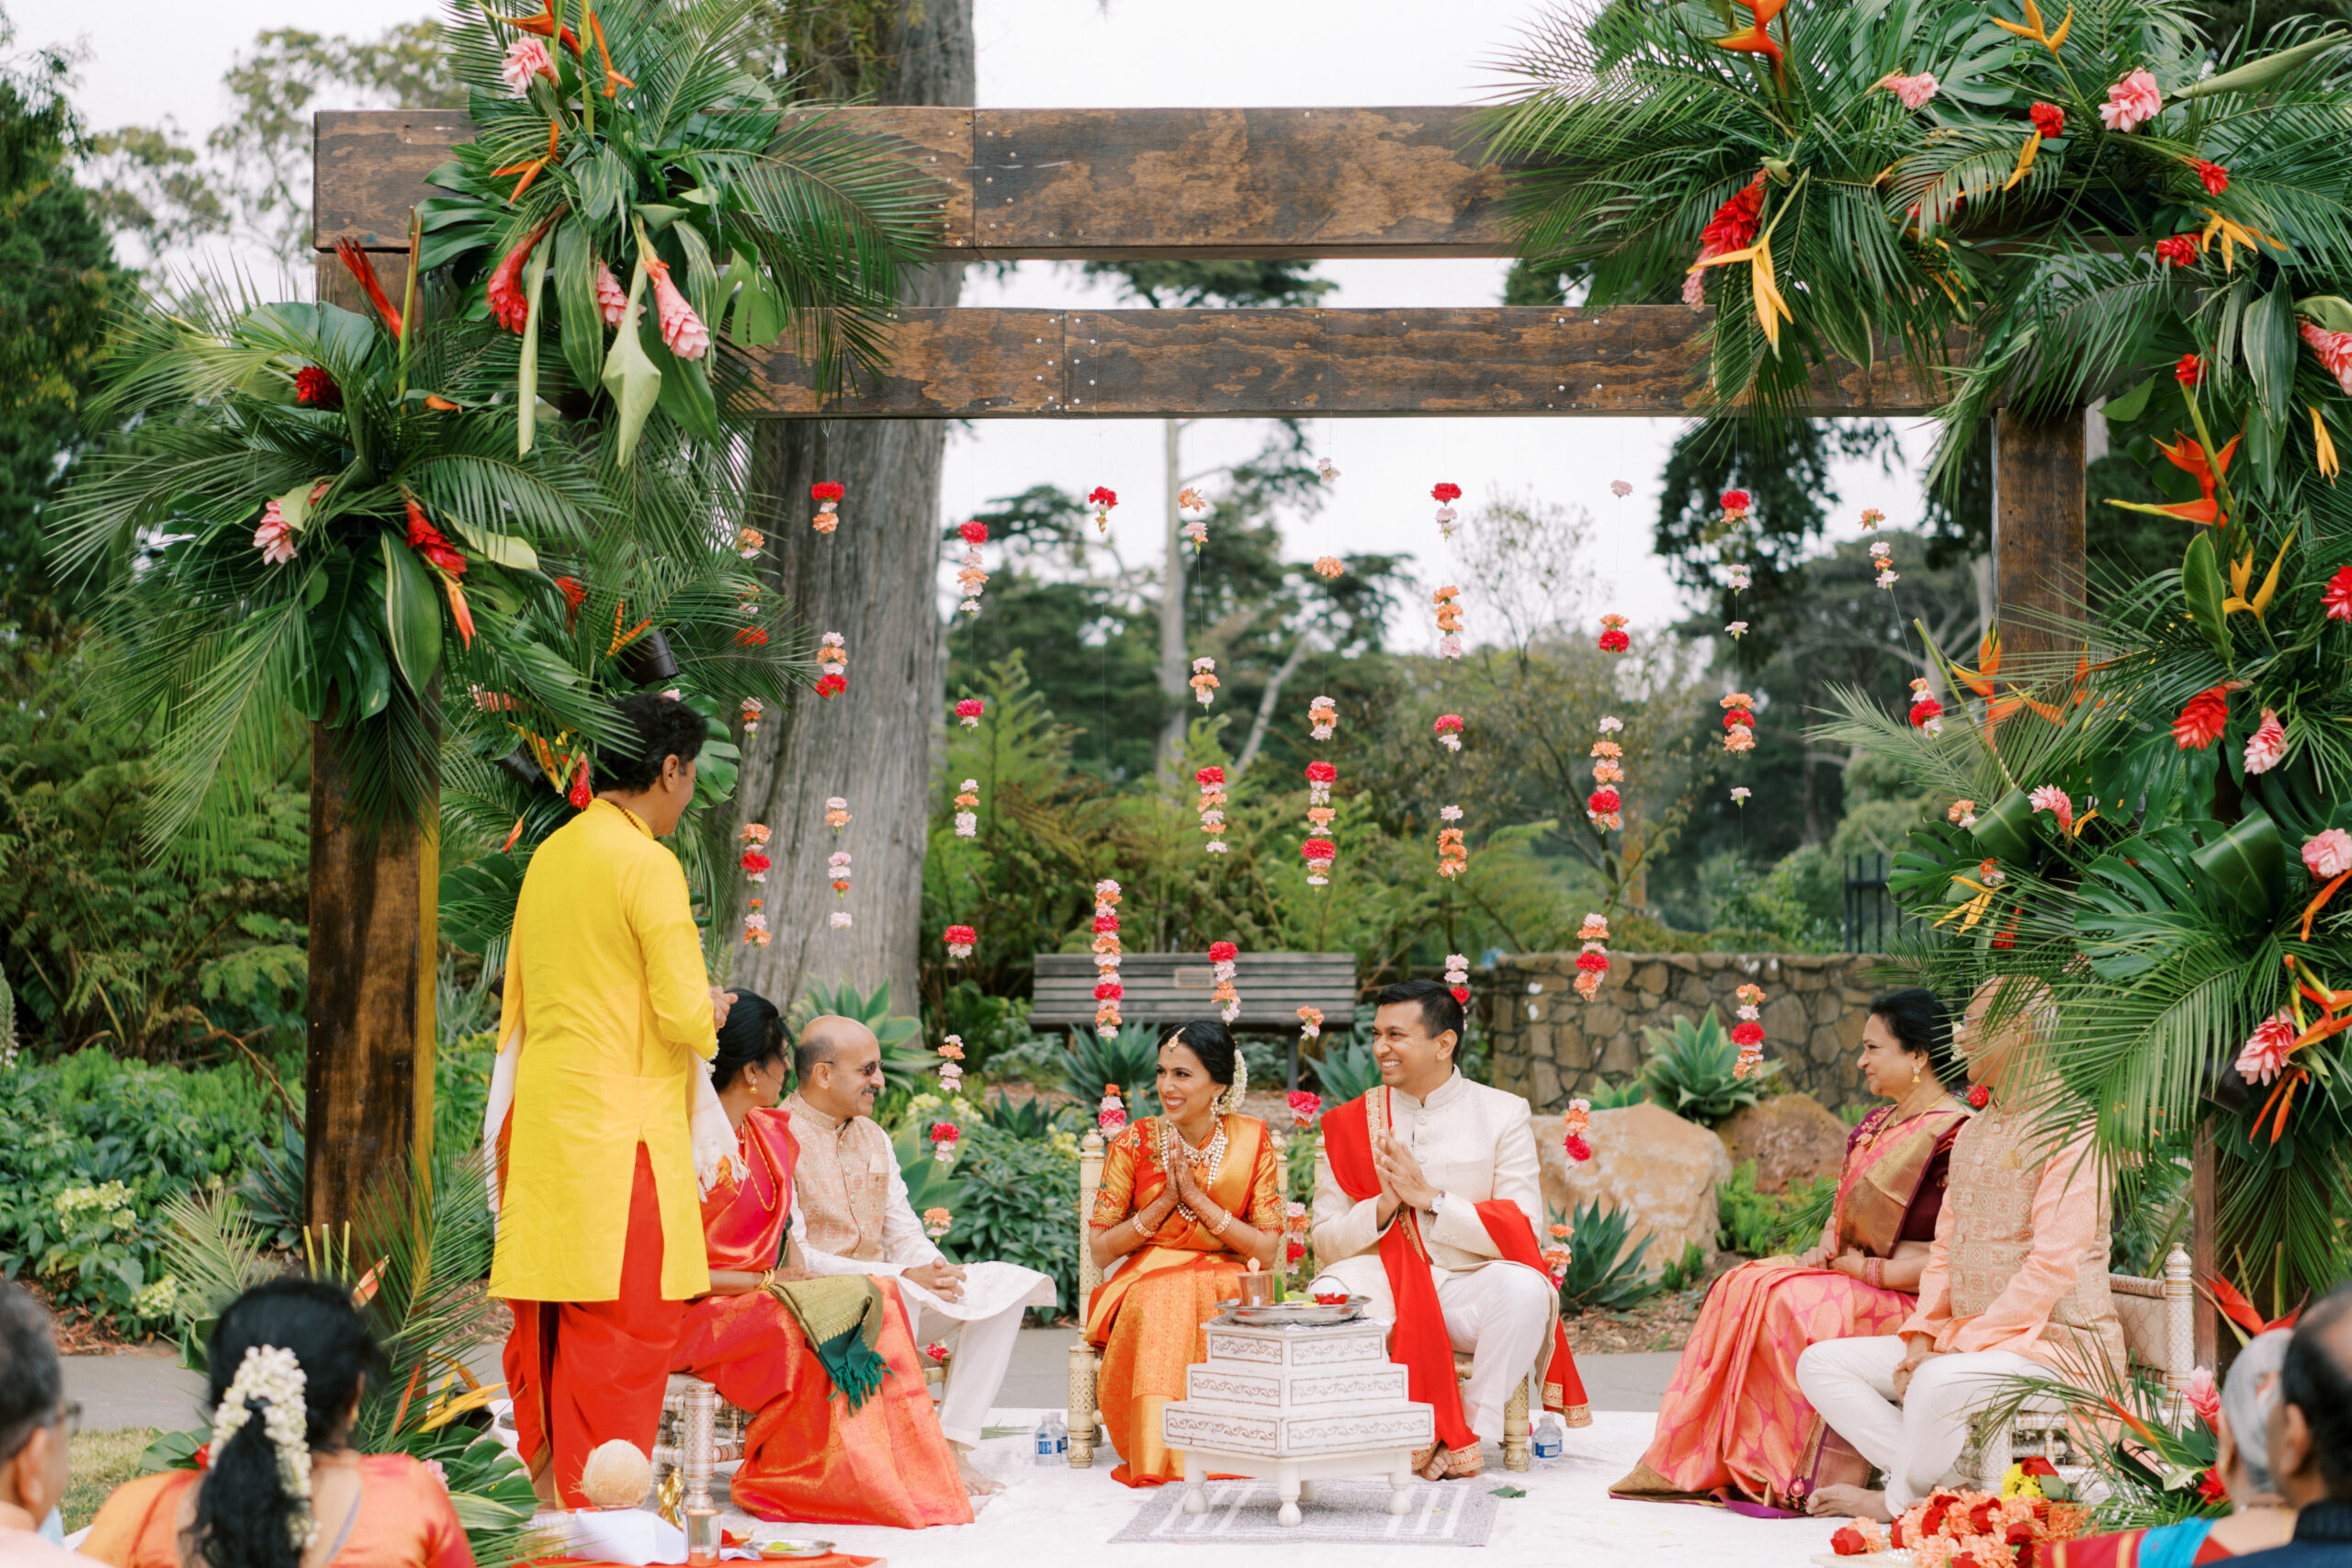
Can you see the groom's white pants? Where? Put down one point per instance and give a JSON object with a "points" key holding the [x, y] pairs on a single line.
{"points": [[1500, 1314]]}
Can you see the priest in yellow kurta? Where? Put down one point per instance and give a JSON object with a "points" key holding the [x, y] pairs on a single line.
{"points": [[607, 1018]]}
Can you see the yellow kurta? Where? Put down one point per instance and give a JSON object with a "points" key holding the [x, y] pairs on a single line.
{"points": [[605, 974]]}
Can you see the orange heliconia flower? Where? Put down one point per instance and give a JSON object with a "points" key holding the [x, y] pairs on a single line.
{"points": [[1752, 38]]}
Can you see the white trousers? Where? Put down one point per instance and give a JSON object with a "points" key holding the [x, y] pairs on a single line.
{"points": [[1501, 1314], [1917, 1439], [983, 1353]]}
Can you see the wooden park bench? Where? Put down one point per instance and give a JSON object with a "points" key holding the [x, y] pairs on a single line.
{"points": [[1164, 987]]}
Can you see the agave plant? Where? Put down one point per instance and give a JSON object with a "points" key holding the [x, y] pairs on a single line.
{"points": [[1692, 1070], [1129, 1059], [1605, 1263], [626, 138]]}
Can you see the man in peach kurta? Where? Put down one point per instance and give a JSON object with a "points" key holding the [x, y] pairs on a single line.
{"points": [[2015, 1286], [607, 1018]]}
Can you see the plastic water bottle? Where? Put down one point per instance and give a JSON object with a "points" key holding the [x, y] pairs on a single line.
{"points": [[1550, 1438], [1052, 1439]]}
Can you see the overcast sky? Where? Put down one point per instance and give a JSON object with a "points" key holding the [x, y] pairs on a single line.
{"points": [[147, 58]]}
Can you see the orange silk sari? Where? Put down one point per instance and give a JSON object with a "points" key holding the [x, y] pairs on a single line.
{"points": [[405, 1520], [1148, 1318], [806, 1458]]}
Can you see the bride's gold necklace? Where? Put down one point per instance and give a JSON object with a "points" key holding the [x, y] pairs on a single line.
{"points": [[1208, 1159]]}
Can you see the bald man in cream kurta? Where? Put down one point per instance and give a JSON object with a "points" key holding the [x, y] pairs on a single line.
{"points": [[600, 1239]]}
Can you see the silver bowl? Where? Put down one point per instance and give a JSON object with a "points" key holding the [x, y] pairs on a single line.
{"points": [[1276, 1315], [785, 1549]]}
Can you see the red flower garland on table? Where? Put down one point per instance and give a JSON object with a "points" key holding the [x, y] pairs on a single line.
{"points": [[1101, 498], [1612, 635], [1223, 957], [968, 711], [960, 940], [1749, 1033], [1445, 495], [1319, 854], [1449, 621], [967, 810], [828, 496], [1592, 960], [1453, 854], [2202, 719], [1449, 731], [968, 576], [1106, 959], [756, 866], [1323, 719], [1211, 806]]}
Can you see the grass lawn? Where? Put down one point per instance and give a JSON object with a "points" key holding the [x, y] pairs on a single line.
{"points": [[101, 1461]]}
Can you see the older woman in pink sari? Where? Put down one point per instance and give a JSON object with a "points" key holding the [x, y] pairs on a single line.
{"points": [[1734, 1430]]}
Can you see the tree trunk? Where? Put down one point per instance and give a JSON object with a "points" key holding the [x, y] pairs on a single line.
{"points": [[2038, 532], [367, 1081], [1174, 667], [876, 582]]}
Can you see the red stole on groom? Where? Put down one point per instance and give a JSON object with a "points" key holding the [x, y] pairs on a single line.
{"points": [[1418, 1342]]}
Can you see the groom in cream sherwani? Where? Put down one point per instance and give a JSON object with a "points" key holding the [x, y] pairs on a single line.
{"points": [[1429, 1200]]}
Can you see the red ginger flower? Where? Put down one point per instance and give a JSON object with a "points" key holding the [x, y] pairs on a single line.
{"points": [[2337, 597], [1443, 493], [974, 533], [2180, 250], [315, 388], [1223, 952], [1317, 773], [426, 541], [508, 304], [2048, 118], [2216, 178], [681, 328], [2335, 351], [1733, 228], [2202, 719], [612, 299], [574, 592], [2189, 371]]}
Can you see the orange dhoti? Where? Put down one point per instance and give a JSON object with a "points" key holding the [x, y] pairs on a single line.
{"points": [[1150, 1317], [585, 1372], [808, 1457]]}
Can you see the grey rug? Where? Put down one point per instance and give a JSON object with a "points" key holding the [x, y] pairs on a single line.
{"points": [[1448, 1513]]}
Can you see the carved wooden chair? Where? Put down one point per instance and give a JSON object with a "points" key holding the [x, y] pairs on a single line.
{"points": [[1086, 1363], [2159, 1333]]}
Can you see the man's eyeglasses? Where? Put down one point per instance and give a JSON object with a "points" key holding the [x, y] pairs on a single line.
{"points": [[69, 1419]]}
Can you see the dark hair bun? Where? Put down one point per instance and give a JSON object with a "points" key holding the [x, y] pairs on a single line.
{"points": [[652, 729], [752, 1036], [1921, 1024]]}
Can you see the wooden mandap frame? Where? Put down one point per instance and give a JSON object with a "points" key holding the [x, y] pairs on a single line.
{"points": [[1098, 185]]}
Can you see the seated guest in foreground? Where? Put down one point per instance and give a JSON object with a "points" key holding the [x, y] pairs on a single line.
{"points": [[288, 1359], [35, 1425], [815, 1452], [1188, 1203], [2016, 1282], [850, 1215], [1428, 1203], [2258, 1517], [1733, 1427], [2311, 1439]]}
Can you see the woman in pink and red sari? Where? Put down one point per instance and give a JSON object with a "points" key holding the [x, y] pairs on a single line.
{"points": [[1733, 1429]]}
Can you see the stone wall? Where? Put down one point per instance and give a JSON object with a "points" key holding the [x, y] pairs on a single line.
{"points": [[1550, 1045]]}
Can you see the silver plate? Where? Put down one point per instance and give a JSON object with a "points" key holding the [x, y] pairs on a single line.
{"points": [[1277, 1315], [784, 1550]]}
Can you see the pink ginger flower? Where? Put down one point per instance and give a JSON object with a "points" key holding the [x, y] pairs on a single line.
{"points": [[2335, 351], [275, 537], [681, 328], [2051, 798], [2204, 1396], [2131, 103], [2328, 855], [2267, 1048], [1915, 91], [526, 58], [2268, 744], [612, 299]]}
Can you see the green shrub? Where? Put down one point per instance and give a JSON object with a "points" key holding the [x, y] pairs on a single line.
{"points": [[1607, 1096], [1763, 1225], [90, 1145], [989, 1026], [1347, 1072], [1604, 1272], [1686, 1271], [1015, 1200], [1692, 1071]]}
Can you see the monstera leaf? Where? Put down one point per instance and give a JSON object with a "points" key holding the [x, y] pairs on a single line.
{"points": [[2248, 863], [2296, 800], [2007, 832]]}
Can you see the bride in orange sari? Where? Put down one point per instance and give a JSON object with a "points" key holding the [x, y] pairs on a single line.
{"points": [[1188, 1203], [1733, 1429], [808, 1456]]}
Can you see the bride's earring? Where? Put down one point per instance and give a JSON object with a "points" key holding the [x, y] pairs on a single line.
{"points": [[1917, 1071]]}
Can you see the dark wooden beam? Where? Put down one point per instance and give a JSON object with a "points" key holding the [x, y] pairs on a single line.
{"points": [[2038, 548], [1071, 184]]}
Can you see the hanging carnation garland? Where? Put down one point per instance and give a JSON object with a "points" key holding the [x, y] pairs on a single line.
{"points": [[1592, 962], [1749, 1033], [1449, 621], [1322, 718], [1204, 681], [1111, 1115], [968, 711], [837, 813], [1326, 469], [837, 870], [749, 543], [1926, 714], [752, 709], [826, 496], [1321, 777], [755, 867], [1457, 977], [1739, 722], [1449, 731], [1445, 495], [960, 940], [1452, 855], [944, 1137], [1612, 635], [951, 1084], [833, 665], [1329, 567], [1882, 558], [1101, 498], [1319, 854], [967, 810], [969, 577], [1222, 968], [1574, 1125], [1107, 989], [1196, 511], [1310, 1026], [1211, 806]]}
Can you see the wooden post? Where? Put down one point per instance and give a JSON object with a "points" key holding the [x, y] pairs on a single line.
{"points": [[374, 915], [2038, 531], [2204, 1200]]}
